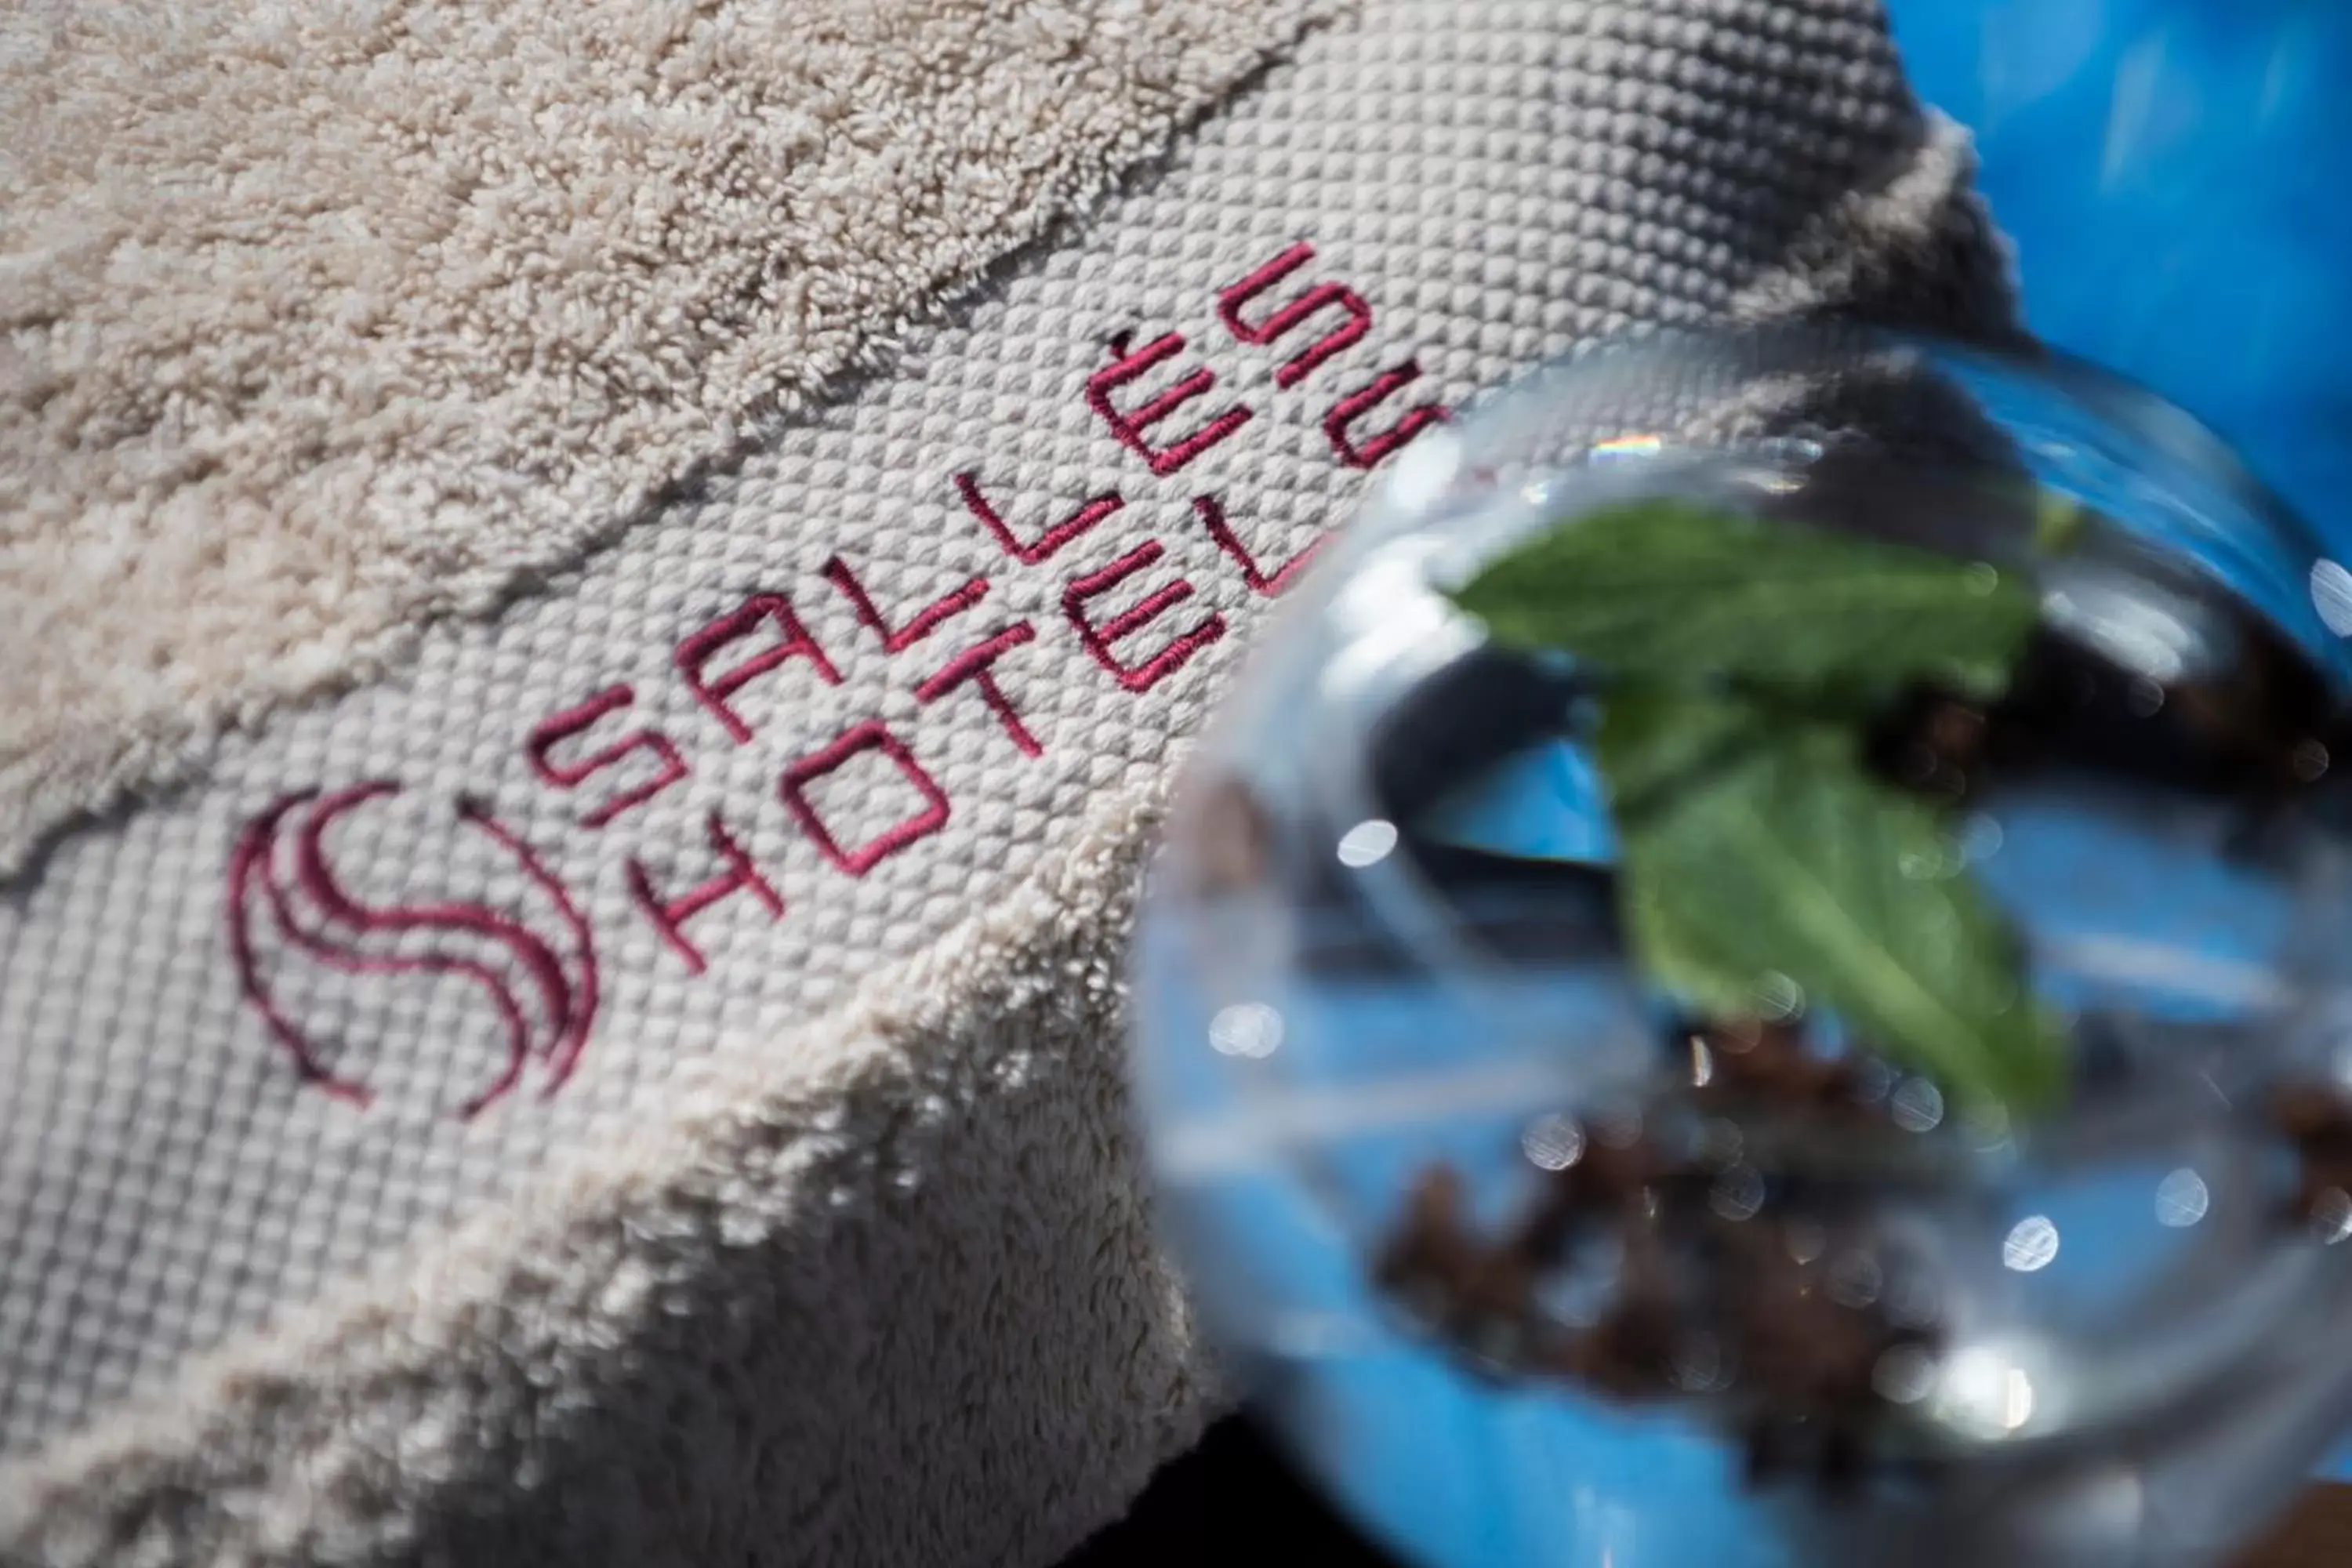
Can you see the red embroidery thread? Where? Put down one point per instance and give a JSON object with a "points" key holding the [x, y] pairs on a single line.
{"points": [[1042, 550], [870, 736], [564, 1053], [972, 668], [793, 642], [1212, 517], [538, 960], [253, 855], [570, 1003], [571, 721], [1298, 366], [1097, 640], [838, 573], [669, 918], [1129, 425], [1344, 413]]}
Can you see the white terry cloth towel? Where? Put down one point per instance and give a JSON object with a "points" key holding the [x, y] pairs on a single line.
{"points": [[560, 991]]}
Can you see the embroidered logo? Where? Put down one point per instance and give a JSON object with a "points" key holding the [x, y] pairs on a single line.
{"points": [[859, 789], [534, 961]]}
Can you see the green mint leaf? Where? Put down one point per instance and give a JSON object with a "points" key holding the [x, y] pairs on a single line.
{"points": [[1680, 592], [1789, 859], [1655, 739]]}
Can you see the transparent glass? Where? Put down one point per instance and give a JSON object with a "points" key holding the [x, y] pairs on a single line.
{"points": [[1383, 944]]}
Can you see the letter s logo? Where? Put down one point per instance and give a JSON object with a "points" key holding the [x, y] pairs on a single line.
{"points": [[286, 907]]}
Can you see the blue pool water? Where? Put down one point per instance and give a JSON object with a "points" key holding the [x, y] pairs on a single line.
{"points": [[2176, 176]]}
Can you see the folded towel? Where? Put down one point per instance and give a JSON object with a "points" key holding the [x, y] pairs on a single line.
{"points": [[635, 1079]]}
